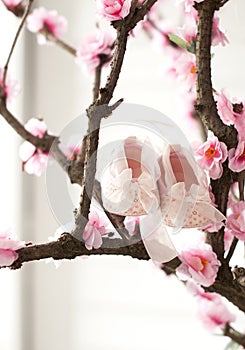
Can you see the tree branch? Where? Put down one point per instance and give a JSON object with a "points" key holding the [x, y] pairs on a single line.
{"points": [[96, 111], [63, 45], [28, 8], [234, 335], [44, 144], [206, 106], [67, 247], [207, 111], [97, 81]]}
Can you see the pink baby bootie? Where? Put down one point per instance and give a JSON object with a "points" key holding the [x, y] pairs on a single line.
{"points": [[129, 183], [184, 195]]}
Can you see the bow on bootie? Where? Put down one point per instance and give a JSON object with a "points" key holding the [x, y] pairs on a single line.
{"points": [[129, 183]]}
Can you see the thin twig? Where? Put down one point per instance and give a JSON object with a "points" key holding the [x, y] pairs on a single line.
{"points": [[50, 37], [97, 80], [28, 8], [96, 112], [241, 188], [237, 337], [116, 220], [231, 250], [222, 3]]}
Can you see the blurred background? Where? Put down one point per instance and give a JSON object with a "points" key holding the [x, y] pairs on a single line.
{"points": [[99, 303]]}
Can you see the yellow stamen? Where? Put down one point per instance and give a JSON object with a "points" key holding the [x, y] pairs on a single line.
{"points": [[193, 69], [210, 152], [204, 264]]}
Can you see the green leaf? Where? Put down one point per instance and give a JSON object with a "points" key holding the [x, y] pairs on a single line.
{"points": [[192, 47], [178, 41], [182, 43]]}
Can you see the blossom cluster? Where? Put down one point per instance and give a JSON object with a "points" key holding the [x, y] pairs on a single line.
{"points": [[94, 50], [34, 160], [212, 310], [42, 20], [232, 112]]}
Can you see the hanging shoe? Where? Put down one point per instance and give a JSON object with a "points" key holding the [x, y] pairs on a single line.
{"points": [[129, 183], [184, 195]]}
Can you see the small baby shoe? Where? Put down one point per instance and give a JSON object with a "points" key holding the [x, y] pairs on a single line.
{"points": [[129, 183], [184, 195]]}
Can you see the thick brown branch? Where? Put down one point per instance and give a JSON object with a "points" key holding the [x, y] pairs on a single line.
{"points": [[207, 111], [96, 111], [206, 106], [67, 247]]}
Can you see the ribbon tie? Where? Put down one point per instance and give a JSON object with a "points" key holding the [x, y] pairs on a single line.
{"points": [[125, 189]]}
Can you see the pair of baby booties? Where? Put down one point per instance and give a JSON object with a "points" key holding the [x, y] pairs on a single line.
{"points": [[169, 189]]}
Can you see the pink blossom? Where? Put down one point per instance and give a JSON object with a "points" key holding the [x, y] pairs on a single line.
{"points": [[36, 127], [94, 230], [197, 291], [225, 108], [184, 66], [98, 44], [153, 15], [211, 155], [188, 31], [214, 313], [236, 220], [231, 111], [12, 87], [113, 10], [71, 149], [228, 238], [212, 310], [131, 223], [237, 157], [12, 3], [218, 37], [8, 247], [34, 160], [199, 263], [188, 7], [186, 109], [42, 20]]}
